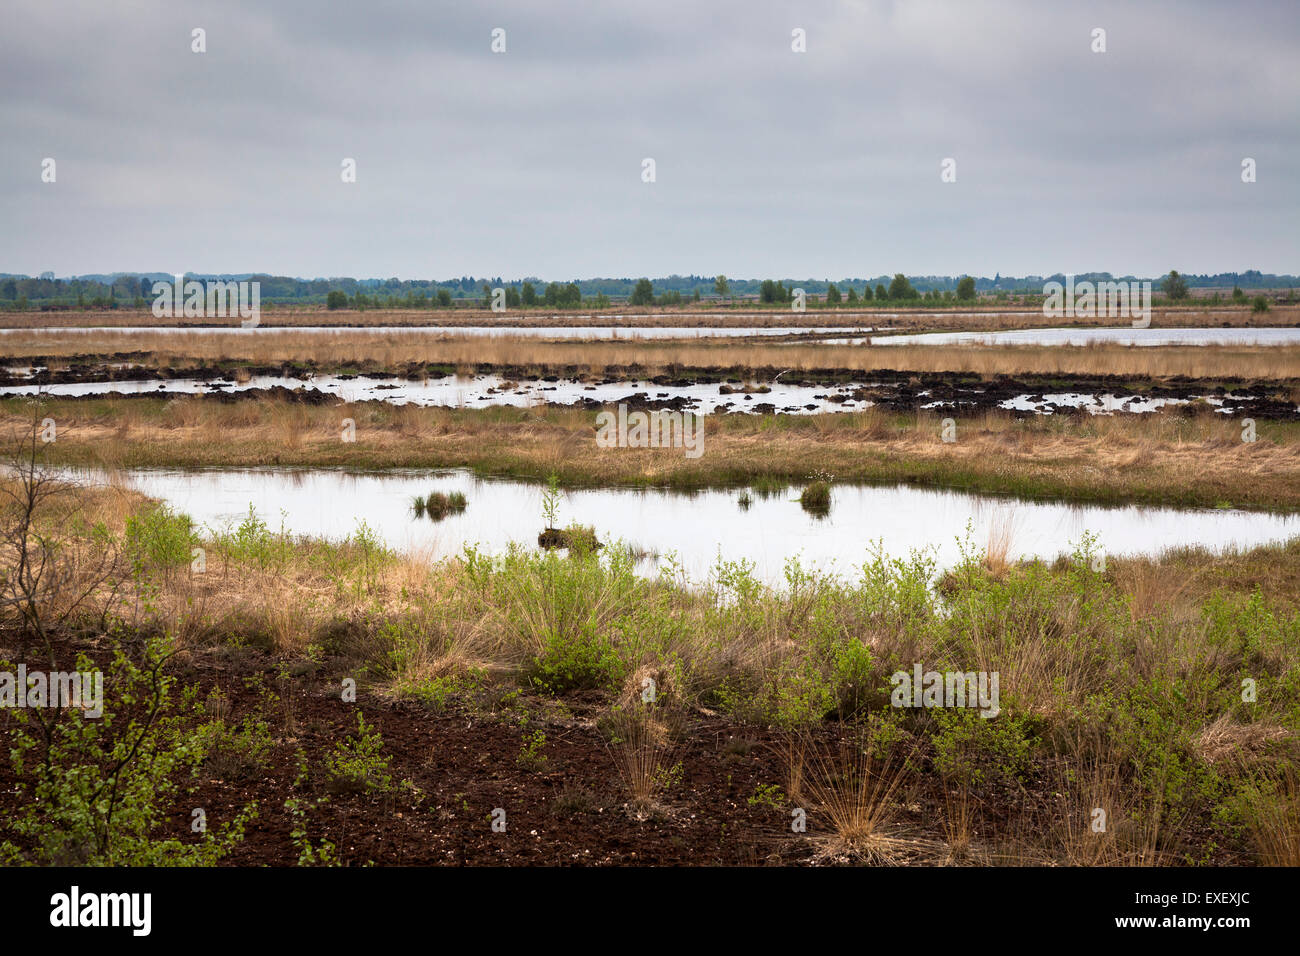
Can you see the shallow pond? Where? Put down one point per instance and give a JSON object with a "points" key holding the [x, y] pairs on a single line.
{"points": [[698, 527]]}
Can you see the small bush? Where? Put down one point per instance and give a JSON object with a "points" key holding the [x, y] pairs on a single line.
{"points": [[530, 752], [233, 751], [158, 537], [978, 751], [358, 764], [103, 791], [585, 660]]}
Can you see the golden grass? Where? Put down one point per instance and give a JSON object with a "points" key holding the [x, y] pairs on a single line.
{"points": [[1153, 586], [1100, 822], [1225, 740], [959, 826], [1175, 582], [1002, 532]]}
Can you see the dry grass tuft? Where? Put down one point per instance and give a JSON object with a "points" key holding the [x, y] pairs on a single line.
{"points": [[1002, 532], [641, 743], [1225, 741], [859, 793], [1273, 818]]}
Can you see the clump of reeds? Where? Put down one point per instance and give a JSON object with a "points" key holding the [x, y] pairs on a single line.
{"points": [[997, 554], [816, 498], [578, 538], [439, 505], [766, 487]]}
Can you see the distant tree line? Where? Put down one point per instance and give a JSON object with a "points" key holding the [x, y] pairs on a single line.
{"points": [[135, 290]]}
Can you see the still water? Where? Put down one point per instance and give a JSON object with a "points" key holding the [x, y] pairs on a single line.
{"points": [[698, 527]]}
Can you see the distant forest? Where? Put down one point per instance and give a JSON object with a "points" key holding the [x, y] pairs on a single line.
{"points": [[135, 289]]}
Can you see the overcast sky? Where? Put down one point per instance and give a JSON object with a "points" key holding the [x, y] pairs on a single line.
{"points": [[768, 162]]}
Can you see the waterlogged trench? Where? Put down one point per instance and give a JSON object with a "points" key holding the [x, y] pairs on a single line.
{"points": [[697, 528]]}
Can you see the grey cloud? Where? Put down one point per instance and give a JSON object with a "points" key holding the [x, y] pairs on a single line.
{"points": [[769, 162]]}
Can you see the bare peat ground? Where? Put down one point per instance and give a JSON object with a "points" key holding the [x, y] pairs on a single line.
{"points": [[572, 810], [460, 764]]}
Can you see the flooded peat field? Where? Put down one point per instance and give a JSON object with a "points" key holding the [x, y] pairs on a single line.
{"points": [[790, 397], [692, 529], [782, 392]]}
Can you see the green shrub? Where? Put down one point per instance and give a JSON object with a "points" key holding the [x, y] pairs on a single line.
{"points": [[579, 660], [252, 542], [530, 753], [767, 795], [981, 751], [160, 539], [103, 791], [234, 751]]}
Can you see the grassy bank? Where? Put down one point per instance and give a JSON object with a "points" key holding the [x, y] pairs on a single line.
{"points": [[1196, 461], [622, 719]]}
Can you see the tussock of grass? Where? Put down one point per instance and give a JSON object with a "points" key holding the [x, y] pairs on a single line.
{"points": [[859, 794], [816, 498], [439, 504]]}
